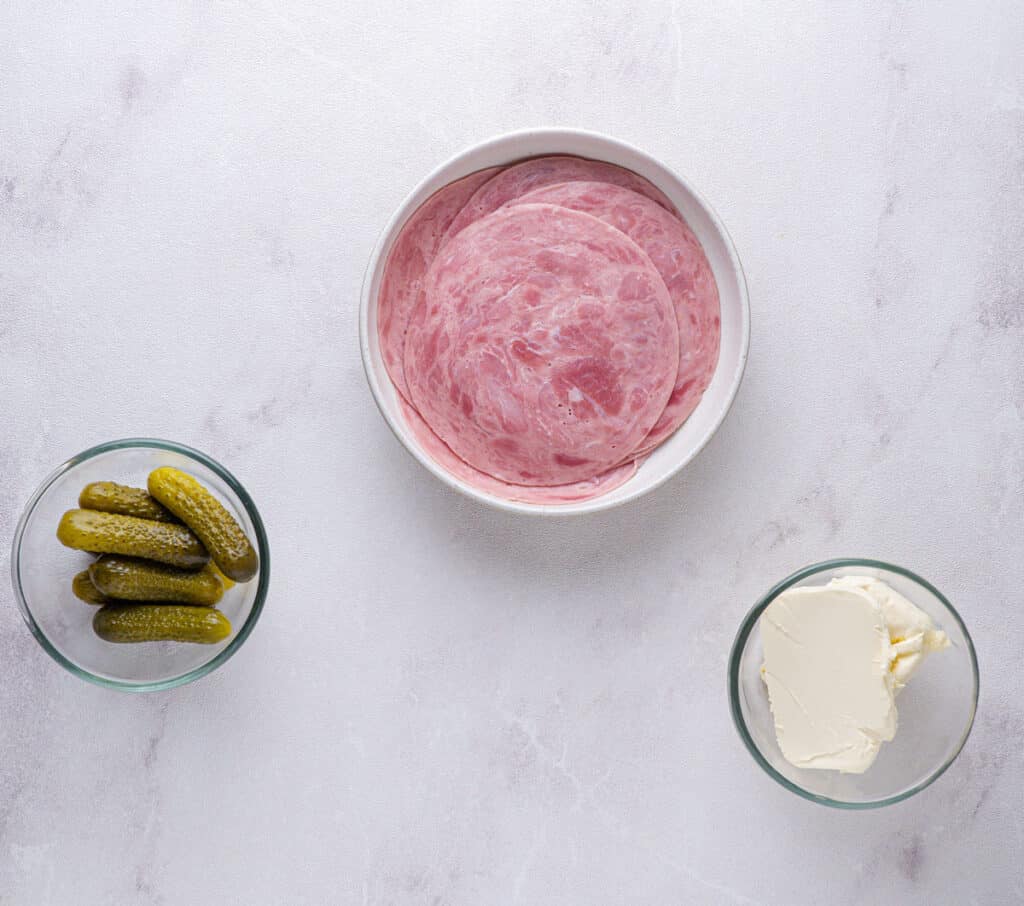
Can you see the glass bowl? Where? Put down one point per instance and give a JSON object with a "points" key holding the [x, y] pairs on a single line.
{"points": [[42, 568], [936, 709]]}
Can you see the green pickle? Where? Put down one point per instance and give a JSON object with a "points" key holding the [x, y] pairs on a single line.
{"points": [[194, 505], [84, 590], [112, 533], [129, 579], [160, 623], [110, 497], [211, 568]]}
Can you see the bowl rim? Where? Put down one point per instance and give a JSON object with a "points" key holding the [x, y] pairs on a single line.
{"points": [[405, 210], [747, 627], [261, 543]]}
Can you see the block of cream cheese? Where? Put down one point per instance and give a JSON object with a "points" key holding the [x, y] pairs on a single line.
{"points": [[834, 658]]}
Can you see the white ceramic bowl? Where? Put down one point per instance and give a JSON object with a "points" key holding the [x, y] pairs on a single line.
{"points": [[691, 437]]}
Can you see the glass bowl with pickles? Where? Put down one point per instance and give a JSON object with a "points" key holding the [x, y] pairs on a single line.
{"points": [[140, 564]]}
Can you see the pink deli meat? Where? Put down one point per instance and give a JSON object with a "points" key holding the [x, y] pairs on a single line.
{"points": [[515, 181], [683, 266], [410, 257], [437, 450], [544, 346]]}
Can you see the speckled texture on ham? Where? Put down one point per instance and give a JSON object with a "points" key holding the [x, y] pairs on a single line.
{"points": [[683, 266], [519, 179], [410, 257], [544, 346], [438, 451]]}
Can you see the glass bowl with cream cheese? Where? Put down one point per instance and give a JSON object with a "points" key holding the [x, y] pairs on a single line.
{"points": [[853, 683]]}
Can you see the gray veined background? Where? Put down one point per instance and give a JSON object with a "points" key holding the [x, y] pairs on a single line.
{"points": [[442, 704]]}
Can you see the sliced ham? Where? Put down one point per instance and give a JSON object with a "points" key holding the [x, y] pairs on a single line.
{"points": [[544, 346], [410, 257], [683, 266], [515, 181], [438, 451]]}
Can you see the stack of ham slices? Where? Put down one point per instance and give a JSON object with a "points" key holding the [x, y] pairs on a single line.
{"points": [[547, 325]]}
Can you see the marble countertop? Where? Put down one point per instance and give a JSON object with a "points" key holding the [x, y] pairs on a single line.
{"points": [[452, 706]]}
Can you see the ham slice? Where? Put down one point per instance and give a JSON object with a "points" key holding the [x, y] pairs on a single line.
{"points": [[544, 346], [556, 494], [684, 267], [515, 181], [408, 261]]}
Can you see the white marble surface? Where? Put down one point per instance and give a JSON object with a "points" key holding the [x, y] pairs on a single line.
{"points": [[447, 705]]}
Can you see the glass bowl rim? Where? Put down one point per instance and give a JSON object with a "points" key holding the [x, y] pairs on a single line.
{"points": [[747, 627], [261, 544]]}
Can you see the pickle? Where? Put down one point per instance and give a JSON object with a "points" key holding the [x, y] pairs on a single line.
{"points": [[211, 568], [84, 590], [228, 545], [109, 497], [142, 580], [111, 533], [160, 623]]}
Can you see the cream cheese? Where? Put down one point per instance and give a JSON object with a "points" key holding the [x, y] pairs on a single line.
{"points": [[834, 658], [911, 631]]}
